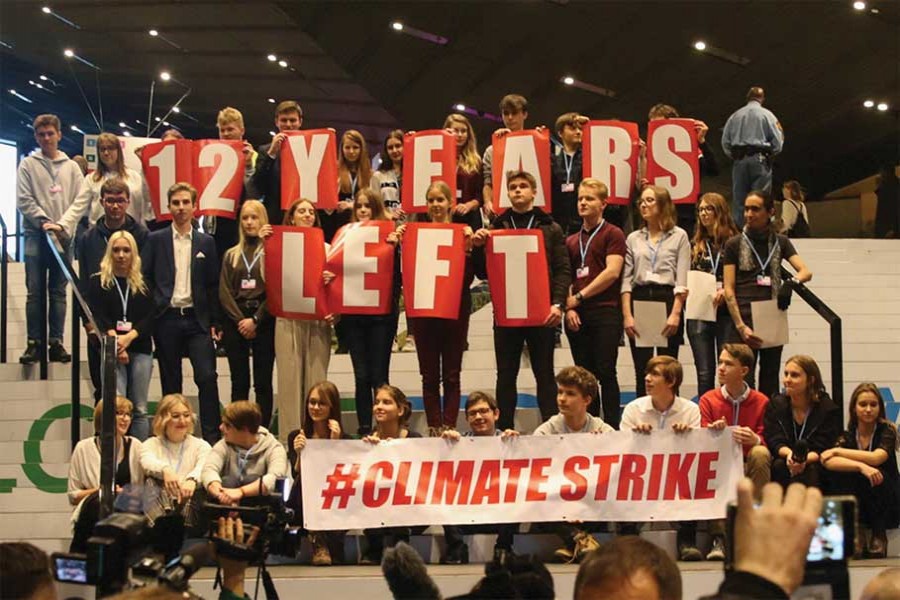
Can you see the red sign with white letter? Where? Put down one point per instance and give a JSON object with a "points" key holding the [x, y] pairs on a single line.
{"points": [[527, 150], [434, 265], [517, 269], [673, 158], [309, 168], [363, 266], [427, 156], [610, 150], [295, 259]]}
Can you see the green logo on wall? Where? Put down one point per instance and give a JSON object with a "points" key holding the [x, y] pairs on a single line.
{"points": [[32, 448]]}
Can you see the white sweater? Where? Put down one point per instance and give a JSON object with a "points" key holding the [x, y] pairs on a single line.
{"points": [[88, 200], [84, 467], [185, 458]]}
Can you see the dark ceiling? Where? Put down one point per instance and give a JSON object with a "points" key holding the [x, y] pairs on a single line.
{"points": [[817, 60]]}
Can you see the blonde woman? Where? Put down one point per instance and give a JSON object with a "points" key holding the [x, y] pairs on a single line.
{"points": [[248, 325], [469, 178], [354, 175], [122, 306]]}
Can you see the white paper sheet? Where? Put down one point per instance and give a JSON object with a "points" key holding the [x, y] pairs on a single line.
{"points": [[701, 291], [649, 320], [769, 323]]}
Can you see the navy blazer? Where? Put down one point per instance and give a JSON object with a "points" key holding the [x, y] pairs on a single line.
{"points": [[158, 258]]}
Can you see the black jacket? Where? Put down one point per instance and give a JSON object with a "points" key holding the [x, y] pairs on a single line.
{"points": [[266, 184], [107, 307], [823, 426], [557, 256]]}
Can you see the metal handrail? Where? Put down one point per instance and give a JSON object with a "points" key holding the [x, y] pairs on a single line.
{"points": [[4, 298]]}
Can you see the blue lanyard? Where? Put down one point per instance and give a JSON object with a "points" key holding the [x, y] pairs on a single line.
{"points": [[654, 250], [250, 265], [663, 416], [169, 454], [569, 162], [762, 265], [715, 263], [123, 298], [583, 249], [802, 429], [512, 220], [242, 461]]}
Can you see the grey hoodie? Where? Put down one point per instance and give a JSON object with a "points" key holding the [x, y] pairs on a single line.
{"points": [[34, 198], [266, 459]]}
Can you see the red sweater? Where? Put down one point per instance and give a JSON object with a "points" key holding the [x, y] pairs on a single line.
{"points": [[714, 406]]}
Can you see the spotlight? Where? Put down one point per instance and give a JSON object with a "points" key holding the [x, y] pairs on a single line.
{"points": [[43, 78], [31, 81], [165, 76], [427, 36], [868, 104], [882, 106], [859, 5], [460, 107], [157, 119], [397, 26], [122, 124], [282, 64], [272, 58], [700, 45], [38, 86], [272, 133], [153, 33], [68, 53], [175, 109], [271, 100], [46, 10], [568, 80], [76, 129], [166, 123]]}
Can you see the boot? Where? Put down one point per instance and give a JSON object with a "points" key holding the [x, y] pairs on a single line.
{"points": [[878, 544], [30, 356], [57, 353], [321, 557]]}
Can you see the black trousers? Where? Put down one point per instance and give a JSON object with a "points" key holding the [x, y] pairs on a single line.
{"points": [[93, 356], [453, 534], [238, 349], [879, 506], [595, 346], [508, 345], [812, 475], [175, 332]]}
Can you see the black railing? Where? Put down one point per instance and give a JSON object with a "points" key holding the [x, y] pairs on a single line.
{"points": [[4, 299]]}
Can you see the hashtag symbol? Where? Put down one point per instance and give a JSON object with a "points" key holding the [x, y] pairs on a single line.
{"points": [[340, 486]]}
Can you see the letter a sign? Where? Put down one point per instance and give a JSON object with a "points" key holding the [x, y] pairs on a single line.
{"points": [[517, 269], [529, 151]]}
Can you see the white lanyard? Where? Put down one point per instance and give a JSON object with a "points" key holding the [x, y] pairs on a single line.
{"points": [[512, 220], [583, 249], [762, 265], [568, 161], [242, 461], [662, 418], [859, 443], [123, 298], [54, 175], [250, 265], [353, 180], [714, 263], [169, 455]]}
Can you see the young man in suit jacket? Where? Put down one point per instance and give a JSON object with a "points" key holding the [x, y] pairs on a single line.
{"points": [[182, 270], [266, 181]]}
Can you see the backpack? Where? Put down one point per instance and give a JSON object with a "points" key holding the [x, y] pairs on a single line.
{"points": [[801, 226]]}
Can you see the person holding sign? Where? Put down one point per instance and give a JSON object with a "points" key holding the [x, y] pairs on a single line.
{"points": [[266, 181], [123, 307], [389, 175], [509, 341], [663, 408], [514, 111], [654, 282], [593, 307], [354, 175], [302, 346], [469, 178], [752, 275], [248, 328], [801, 424], [566, 171], [714, 228]]}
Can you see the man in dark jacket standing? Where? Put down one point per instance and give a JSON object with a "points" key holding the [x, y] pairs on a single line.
{"points": [[114, 198], [266, 180], [509, 341]]}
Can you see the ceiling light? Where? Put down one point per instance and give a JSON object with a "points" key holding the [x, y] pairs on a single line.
{"points": [[271, 100], [460, 107], [165, 76], [700, 45], [418, 33], [397, 26], [153, 33], [76, 129], [282, 64], [68, 52], [272, 133], [126, 133], [46, 10], [39, 86], [166, 123], [157, 119], [31, 81], [272, 58], [874, 11], [868, 104], [568, 80], [859, 5], [122, 124], [43, 78], [175, 109], [882, 106]]}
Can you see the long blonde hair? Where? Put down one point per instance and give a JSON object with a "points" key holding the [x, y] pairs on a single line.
{"points": [[234, 253], [134, 278], [468, 160], [363, 165]]}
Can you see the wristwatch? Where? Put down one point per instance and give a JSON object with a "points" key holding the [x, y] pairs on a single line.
{"points": [[580, 297]]}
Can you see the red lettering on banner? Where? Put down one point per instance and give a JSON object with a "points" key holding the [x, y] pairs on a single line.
{"points": [[516, 263], [309, 168], [706, 474], [536, 478], [656, 470], [401, 498], [610, 150], [487, 486], [427, 156], [515, 468], [677, 477], [434, 264], [570, 472], [452, 486], [370, 498], [673, 158], [631, 477], [424, 482], [527, 150], [605, 463]]}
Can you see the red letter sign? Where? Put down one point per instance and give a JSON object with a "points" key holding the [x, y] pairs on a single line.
{"points": [[611, 151], [295, 259], [363, 266], [309, 168], [434, 265], [518, 272], [165, 164], [529, 151], [427, 156], [673, 158]]}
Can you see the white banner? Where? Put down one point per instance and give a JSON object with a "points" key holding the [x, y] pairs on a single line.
{"points": [[619, 476]]}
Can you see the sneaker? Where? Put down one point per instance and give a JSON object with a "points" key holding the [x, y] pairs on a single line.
{"points": [[321, 556], [57, 353], [689, 553], [434, 432], [717, 552], [458, 554], [30, 356], [585, 543], [564, 554]]}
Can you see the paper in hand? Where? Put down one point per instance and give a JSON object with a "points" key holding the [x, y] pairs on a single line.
{"points": [[769, 323], [649, 320], [701, 291]]}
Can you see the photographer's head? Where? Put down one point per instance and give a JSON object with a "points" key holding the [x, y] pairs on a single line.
{"points": [[240, 423], [25, 573], [628, 568]]}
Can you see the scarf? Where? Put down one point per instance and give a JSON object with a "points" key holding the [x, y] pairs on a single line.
{"points": [[747, 259]]}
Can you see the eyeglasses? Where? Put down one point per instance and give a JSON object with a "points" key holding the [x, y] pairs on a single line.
{"points": [[317, 403], [115, 200], [123, 413], [479, 412], [706, 209]]}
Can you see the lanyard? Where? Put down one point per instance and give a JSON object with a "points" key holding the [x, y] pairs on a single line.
{"points": [[512, 219], [762, 265], [353, 180], [583, 249], [799, 436], [242, 461], [169, 455], [54, 175], [123, 298], [715, 263], [662, 418], [568, 161], [654, 250], [859, 443], [250, 265]]}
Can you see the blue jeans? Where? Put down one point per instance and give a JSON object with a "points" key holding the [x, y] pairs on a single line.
{"points": [[706, 340], [42, 271], [133, 382], [747, 174]]}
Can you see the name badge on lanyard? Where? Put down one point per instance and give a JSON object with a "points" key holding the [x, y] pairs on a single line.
{"points": [[55, 188], [762, 279], [567, 187], [582, 272], [123, 325], [248, 284]]}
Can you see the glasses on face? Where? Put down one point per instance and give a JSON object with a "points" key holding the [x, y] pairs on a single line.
{"points": [[318, 404], [479, 412], [115, 200], [123, 413], [704, 209]]}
